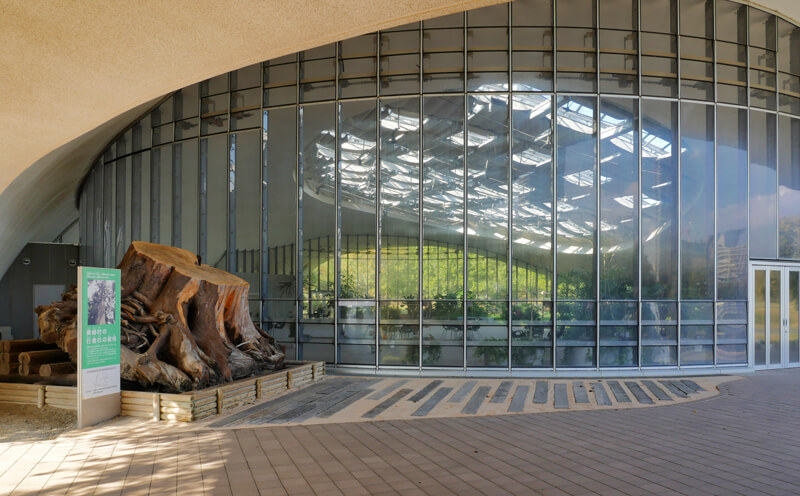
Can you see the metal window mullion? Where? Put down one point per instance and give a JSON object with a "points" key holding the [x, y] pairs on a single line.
{"points": [[510, 190], [378, 244], [203, 199], [597, 190], [232, 255], [639, 191], [716, 236], [465, 246], [420, 226], [680, 213], [299, 244], [553, 185], [337, 264]]}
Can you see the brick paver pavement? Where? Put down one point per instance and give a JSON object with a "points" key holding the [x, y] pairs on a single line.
{"points": [[744, 441]]}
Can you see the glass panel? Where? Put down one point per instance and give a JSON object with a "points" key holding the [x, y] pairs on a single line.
{"points": [[794, 316], [246, 166], [618, 312], [532, 13], [731, 190], [443, 203], [214, 152], [762, 29], [659, 199], [697, 345], [774, 317], [121, 210], [357, 190], [280, 157], [575, 193], [618, 346], [185, 201], [357, 333], [619, 198], [659, 312], [142, 203], [246, 77], [697, 201], [619, 14], [316, 342], [732, 312], [763, 186], [697, 18], [789, 178], [576, 13], [760, 317], [443, 334], [400, 134], [487, 346], [318, 217], [532, 346], [576, 346], [487, 194], [107, 212], [659, 346], [731, 21], [532, 186], [660, 16], [694, 311]]}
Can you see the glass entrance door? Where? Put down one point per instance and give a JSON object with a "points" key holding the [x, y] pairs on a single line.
{"points": [[776, 316]]}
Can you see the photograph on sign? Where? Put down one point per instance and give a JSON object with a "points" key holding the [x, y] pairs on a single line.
{"points": [[101, 302]]}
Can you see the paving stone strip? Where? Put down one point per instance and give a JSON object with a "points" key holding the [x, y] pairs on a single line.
{"points": [[385, 404], [697, 387], [379, 395], [317, 405], [502, 391], [600, 394], [657, 391], [639, 393], [673, 389], [475, 402], [619, 393], [425, 391], [560, 400], [580, 393], [518, 400], [277, 402], [540, 394], [432, 402], [462, 392], [337, 407], [683, 387]]}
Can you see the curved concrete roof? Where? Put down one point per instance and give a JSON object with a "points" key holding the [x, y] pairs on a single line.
{"points": [[75, 73]]}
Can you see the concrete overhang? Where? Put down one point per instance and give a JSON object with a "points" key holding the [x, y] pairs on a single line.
{"points": [[75, 73]]}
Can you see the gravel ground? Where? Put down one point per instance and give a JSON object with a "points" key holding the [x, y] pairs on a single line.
{"points": [[30, 423]]}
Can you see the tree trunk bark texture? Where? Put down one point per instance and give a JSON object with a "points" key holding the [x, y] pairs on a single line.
{"points": [[184, 325]]}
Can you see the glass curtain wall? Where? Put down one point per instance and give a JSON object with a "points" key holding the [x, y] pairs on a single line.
{"points": [[535, 185]]}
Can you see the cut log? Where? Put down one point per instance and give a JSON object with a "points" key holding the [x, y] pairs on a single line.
{"points": [[60, 368], [9, 357], [18, 345], [184, 325], [9, 368], [43, 356]]}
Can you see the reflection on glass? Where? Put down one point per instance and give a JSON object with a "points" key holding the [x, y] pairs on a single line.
{"points": [[697, 345], [318, 224], [659, 345], [697, 201], [399, 180], [487, 197], [532, 187], [245, 151], [357, 192], [443, 197], [576, 346], [214, 171], [619, 198], [731, 344], [185, 201], [774, 317], [356, 340], [794, 316], [760, 317], [575, 196], [731, 190], [789, 189], [443, 333], [618, 346], [763, 186], [280, 173]]}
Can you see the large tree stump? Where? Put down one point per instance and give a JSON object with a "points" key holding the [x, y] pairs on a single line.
{"points": [[184, 325]]}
